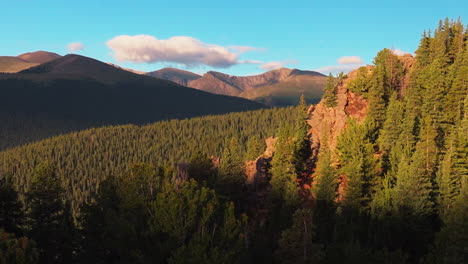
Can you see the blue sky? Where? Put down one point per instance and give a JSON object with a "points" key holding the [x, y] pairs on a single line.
{"points": [[300, 34]]}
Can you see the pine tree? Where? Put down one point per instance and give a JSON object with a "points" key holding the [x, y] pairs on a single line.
{"points": [[50, 217], [11, 209], [230, 173], [414, 188], [17, 250], [454, 166], [296, 243], [356, 157], [201, 169], [255, 147], [329, 92], [284, 177], [423, 52], [325, 177], [302, 150]]}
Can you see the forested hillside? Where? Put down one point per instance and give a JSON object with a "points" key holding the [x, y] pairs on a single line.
{"points": [[85, 158], [377, 172], [74, 92]]}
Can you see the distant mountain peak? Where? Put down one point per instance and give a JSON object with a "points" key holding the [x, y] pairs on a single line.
{"points": [[178, 76], [39, 56]]}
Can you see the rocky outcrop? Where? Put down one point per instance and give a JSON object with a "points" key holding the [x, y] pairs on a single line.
{"points": [[258, 181], [326, 123]]}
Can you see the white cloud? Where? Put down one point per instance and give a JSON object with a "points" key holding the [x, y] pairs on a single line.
{"points": [[350, 60], [273, 65], [399, 52], [244, 49], [345, 65], [180, 49], [75, 46], [336, 69]]}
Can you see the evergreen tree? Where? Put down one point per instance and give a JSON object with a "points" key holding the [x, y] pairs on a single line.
{"points": [[296, 243], [284, 177], [255, 147], [302, 150], [358, 165], [423, 52], [231, 176], [17, 250], [50, 217], [329, 92], [11, 209], [414, 187], [201, 169]]}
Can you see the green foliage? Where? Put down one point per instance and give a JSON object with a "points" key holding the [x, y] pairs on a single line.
{"points": [[86, 158], [296, 243], [329, 92], [361, 84], [255, 147], [356, 156], [302, 149], [325, 177], [12, 218], [201, 169], [17, 250], [50, 217], [284, 177]]}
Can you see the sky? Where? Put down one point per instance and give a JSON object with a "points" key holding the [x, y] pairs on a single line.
{"points": [[235, 37]]}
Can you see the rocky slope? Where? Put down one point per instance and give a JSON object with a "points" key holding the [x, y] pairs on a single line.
{"points": [[326, 123], [276, 88]]}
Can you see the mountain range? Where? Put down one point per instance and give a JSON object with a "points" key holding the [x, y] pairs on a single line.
{"points": [[74, 92], [279, 87], [275, 88]]}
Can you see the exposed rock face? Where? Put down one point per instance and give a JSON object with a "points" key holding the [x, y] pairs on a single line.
{"points": [[408, 62], [328, 122]]}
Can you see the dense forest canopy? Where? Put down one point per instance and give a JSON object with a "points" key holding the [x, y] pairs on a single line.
{"points": [[392, 188]]}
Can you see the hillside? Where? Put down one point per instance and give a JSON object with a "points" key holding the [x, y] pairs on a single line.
{"points": [[74, 92], [175, 75], [275, 88], [117, 147], [376, 172], [13, 64], [39, 57], [10, 64]]}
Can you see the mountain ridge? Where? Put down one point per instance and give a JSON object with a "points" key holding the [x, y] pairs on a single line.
{"points": [[276, 88]]}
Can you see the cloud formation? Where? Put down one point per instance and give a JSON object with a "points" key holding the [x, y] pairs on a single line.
{"points": [[336, 69], [244, 49], [350, 60], [345, 65], [181, 49], [399, 52], [75, 46], [273, 65]]}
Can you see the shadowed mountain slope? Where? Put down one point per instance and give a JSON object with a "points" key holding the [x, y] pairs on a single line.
{"points": [[75, 92], [175, 75]]}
